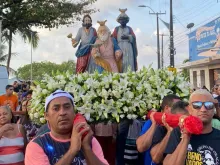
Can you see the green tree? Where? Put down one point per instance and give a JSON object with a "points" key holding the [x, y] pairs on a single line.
{"points": [[21, 15], [185, 72], [41, 68]]}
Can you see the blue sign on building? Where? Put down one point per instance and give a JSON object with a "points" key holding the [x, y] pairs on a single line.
{"points": [[205, 41]]}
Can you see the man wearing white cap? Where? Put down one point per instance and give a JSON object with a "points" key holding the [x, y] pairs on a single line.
{"points": [[63, 145]]}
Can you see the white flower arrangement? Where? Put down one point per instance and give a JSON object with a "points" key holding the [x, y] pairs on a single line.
{"points": [[110, 96]]}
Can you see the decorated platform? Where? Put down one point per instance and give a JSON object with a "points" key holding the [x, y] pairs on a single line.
{"points": [[110, 96]]}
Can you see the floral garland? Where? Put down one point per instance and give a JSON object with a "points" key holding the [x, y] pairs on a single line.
{"points": [[110, 96]]}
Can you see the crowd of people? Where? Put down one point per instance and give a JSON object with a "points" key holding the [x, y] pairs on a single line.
{"points": [[131, 142]]}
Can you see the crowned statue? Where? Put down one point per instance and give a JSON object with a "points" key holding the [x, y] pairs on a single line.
{"points": [[106, 53], [127, 42], [87, 35]]}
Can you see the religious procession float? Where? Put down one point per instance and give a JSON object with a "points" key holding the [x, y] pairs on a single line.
{"points": [[107, 86]]}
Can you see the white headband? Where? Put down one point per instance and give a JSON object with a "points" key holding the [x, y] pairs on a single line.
{"points": [[56, 94]]}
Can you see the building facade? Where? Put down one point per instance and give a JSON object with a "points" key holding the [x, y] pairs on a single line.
{"points": [[204, 55]]}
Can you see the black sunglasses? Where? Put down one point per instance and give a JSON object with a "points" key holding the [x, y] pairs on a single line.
{"points": [[198, 105]]}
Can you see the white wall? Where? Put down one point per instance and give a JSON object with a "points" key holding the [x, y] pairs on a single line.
{"points": [[3, 79], [199, 79]]}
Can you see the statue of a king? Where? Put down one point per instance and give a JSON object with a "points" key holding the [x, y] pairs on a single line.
{"points": [[106, 53], [127, 42]]}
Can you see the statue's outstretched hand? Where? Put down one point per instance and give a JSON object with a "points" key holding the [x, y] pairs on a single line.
{"points": [[74, 43]]}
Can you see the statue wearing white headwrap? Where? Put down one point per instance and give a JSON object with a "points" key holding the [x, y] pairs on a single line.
{"points": [[127, 42]]}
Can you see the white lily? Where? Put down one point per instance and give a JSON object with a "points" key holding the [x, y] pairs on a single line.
{"points": [[42, 120], [36, 115], [110, 96], [104, 93]]}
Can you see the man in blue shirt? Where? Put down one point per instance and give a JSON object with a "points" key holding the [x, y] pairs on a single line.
{"points": [[144, 142], [147, 156]]}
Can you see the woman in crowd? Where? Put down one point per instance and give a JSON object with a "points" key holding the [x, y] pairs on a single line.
{"points": [[13, 139], [30, 128]]}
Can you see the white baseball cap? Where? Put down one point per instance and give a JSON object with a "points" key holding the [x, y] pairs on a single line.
{"points": [[56, 94]]}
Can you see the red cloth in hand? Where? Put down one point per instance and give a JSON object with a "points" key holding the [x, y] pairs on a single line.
{"points": [[191, 124], [79, 118]]}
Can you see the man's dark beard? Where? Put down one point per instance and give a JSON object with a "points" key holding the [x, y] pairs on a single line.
{"points": [[87, 25]]}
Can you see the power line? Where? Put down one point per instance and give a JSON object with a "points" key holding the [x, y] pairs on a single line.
{"points": [[167, 48], [167, 44], [180, 43], [179, 22], [180, 38], [181, 33], [192, 8], [205, 8], [197, 25], [208, 20]]}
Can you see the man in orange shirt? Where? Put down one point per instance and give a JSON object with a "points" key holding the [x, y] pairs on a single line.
{"points": [[9, 99]]}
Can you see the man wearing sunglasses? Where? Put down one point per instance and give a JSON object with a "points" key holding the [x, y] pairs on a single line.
{"points": [[201, 149], [153, 139], [215, 91]]}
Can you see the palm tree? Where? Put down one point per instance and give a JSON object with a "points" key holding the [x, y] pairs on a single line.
{"points": [[13, 28], [185, 72], [4, 57], [26, 33], [185, 61]]}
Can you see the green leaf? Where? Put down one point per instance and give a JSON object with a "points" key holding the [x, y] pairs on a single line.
{"points": [[105, 114], [117, 118]]}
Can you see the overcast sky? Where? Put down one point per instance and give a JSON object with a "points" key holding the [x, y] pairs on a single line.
{"points": [[54, 46]]}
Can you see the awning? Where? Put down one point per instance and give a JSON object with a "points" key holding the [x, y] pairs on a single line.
{"points": [[199, 63]]}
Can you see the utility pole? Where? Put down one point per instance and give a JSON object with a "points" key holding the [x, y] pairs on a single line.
{"points": [[162, 60], [158, 37], [172, 49]]}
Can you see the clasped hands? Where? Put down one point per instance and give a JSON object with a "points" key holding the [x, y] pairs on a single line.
{"points": [[77, 142], [95, 53], [125, 37]]}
